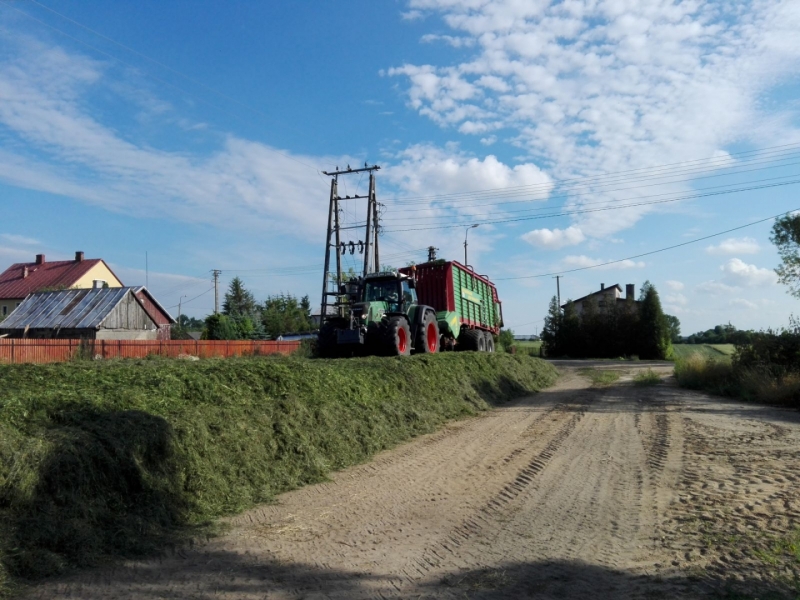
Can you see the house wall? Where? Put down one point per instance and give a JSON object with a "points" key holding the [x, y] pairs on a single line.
{"points": [[99, 271], [7, 306], [128, 315]]}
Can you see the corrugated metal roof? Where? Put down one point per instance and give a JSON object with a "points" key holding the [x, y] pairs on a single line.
{"points": [[13, 283], [65, 309]]}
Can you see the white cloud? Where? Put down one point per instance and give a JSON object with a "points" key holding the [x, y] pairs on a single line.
{"points": [[429, 170], [554, 239], [714, 288], [489, 140], [675, 286], [740, 273], [455, 42], [54, 142], [745, 245], [742, 303], [593, 87], [676, 299], [20, 240], [585, 261]]}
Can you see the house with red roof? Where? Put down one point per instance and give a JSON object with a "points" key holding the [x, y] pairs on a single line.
{"points": [[21, 279]]}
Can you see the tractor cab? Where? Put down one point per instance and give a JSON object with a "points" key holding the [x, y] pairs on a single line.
{"points": [[396, 292]]}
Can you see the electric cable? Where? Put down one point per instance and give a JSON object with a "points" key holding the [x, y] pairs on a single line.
{"points": [[612, 262], [593, 210]]}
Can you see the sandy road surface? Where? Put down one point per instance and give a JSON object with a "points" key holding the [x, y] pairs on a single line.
{"points": [[615, 492]]}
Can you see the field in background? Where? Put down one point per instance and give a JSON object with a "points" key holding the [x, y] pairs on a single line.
{"points": [[713, 351], [531, 348]]}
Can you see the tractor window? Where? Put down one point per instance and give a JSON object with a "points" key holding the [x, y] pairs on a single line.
{"points": [[409, 295], [382, 291]]}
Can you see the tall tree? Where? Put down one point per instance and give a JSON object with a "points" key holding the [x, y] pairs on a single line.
{"points": [[654, 339], [239, 302], [552, 328], [786, 237], [674, 327]]}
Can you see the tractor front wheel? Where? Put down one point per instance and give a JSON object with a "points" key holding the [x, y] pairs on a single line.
{"points": [[428, 335], [397, 337]]}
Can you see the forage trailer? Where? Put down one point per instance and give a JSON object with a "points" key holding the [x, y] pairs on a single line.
{"points": [[468, 311]]}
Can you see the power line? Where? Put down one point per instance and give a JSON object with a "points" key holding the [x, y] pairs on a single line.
{"points": [[568, 193], [612, 262], [593, 210], [611, 204], [709, 164], [195, 298]]}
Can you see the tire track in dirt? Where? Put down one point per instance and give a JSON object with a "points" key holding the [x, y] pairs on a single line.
{"points": [[490, 516]]}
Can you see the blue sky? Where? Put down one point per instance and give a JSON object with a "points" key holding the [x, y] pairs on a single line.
{"points": [[196, 133]]}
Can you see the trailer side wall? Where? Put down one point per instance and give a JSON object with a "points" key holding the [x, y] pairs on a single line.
{"points": [[449, 287]]}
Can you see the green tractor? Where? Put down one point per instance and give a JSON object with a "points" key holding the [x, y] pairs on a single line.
{"points": [[384, 318]]}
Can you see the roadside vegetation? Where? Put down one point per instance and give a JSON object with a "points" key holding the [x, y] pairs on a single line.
{"points": [[646, 378], [765, 370], [108, 459], [600, 377]]}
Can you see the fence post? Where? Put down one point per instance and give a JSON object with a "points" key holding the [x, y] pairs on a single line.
{"points": [[12, 351]]}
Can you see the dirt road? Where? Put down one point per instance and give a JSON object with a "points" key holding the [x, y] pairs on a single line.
{"points": [[612, 492]]}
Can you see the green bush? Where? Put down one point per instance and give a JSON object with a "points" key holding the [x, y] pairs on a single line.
{"points": [[120, 458]]}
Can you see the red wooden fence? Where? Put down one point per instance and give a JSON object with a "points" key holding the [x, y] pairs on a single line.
{"points": [[45, 351]]}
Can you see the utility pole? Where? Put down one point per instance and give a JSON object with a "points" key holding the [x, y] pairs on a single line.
{"points": [[331, 283], [216, 273], [180, 301], [432, 253], [558, 289]]}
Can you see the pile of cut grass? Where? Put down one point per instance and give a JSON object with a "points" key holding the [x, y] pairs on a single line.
{"points": [[118, 459]]}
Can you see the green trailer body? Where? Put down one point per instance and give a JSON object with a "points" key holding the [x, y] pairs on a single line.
{"points": [[461, 298]]}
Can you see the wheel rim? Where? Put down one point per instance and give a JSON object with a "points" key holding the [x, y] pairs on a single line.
{"points": [[402, 340], [433, 337]]}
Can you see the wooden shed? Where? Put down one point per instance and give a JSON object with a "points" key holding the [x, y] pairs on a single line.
{"points": [[97, 313]]}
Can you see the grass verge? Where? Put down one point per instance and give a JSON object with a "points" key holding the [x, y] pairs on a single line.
{"points": [[600, 377], [645, 378], [100, 460], [720, 377]]}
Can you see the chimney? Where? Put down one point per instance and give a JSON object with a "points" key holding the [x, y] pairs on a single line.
{"points": [[79, 256], [602, 286], [25, 272], [40, 259], [98, 283], [630, 291]]}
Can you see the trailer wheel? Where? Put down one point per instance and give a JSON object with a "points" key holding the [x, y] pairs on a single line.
{"points": [[489, 341], [472, 339], [428, 335], [397, 340]]}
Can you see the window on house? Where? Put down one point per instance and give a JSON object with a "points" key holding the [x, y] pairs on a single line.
{"points": [[5, 310]]}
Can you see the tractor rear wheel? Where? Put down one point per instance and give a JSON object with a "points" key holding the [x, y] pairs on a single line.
{"points": [[472, 339], [489, 341], [397, 337], [428, 335]]}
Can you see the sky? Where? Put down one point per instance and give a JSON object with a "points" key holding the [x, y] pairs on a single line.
{"points": [[174, 138]]}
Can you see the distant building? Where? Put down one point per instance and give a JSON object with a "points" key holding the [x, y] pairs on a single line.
{"points": [[97, 313], [606, 298], [156, 312], [21, 279]]}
